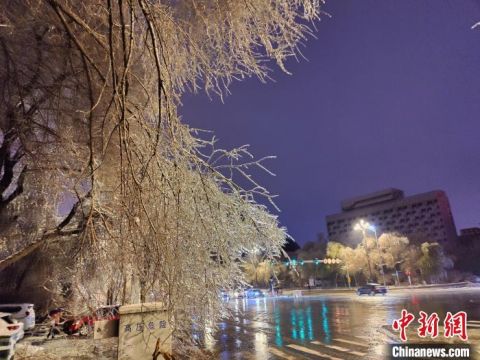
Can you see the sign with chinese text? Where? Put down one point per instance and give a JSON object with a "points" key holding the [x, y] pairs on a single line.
{"points": [[144, 330]]}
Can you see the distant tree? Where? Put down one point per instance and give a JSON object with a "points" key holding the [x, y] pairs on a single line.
{"points": [[354, 263], [393, 249], [394, 252], [335, 250], [308, 246], [290, 245], [312, 250], [388, 254], [432, 261], [259, 274], [410, 263]]}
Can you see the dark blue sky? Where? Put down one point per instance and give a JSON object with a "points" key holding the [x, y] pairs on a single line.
{"points": [[389, 97]]}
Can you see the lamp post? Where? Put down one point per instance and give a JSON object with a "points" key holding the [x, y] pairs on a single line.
{"points": [[363, 226], [373, 228]]}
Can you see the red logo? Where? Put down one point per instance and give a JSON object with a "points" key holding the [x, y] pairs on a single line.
{"points": [[456, 325], [428, 325], [402, 324]]}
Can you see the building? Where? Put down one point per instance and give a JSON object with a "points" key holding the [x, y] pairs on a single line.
{"points": [[468, 251], [470, 234], [426, 216]]}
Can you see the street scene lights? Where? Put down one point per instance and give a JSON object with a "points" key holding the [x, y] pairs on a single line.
{"points": [[363, 226]]}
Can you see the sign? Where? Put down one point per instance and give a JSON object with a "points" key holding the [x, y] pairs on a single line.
{"points": [[144, 332]]}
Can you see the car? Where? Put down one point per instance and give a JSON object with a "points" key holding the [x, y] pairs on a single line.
{"points": [[372, 289], [11, 331], [253, 293], [84, 325], [21, 312]]}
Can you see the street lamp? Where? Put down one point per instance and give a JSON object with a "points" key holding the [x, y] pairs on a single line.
{"points": [[363, 226]]}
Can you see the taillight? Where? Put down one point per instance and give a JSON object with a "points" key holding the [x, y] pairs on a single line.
{"points": [[12, 327]]}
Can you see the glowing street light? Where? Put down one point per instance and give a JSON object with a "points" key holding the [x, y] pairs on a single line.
{"points": [[363, 225]]}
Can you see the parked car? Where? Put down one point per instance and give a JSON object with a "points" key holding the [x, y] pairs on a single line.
{"points": [[253, 293], [21, 312], [84, 325], [11, 331], [372, 289]]}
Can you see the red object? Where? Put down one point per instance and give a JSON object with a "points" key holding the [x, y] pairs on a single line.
{"points": [[402, 324], [12, 327], [428, 325], [456, 325], [104, 313]]}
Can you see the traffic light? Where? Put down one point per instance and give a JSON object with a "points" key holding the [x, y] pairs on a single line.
{"points": [[316, 261]]}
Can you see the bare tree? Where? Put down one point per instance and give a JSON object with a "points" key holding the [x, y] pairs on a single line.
{"points": [[96, 164]]}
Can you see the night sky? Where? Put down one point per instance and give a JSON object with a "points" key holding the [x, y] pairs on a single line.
{"points": [[389, 97]]}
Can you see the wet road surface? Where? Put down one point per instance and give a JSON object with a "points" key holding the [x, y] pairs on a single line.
{"points": [[332, 326]]}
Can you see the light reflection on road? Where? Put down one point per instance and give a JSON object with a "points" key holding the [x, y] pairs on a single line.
{"points": [[257, 324]]}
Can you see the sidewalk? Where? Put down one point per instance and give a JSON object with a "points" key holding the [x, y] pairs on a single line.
{"points": [[63, 348]]}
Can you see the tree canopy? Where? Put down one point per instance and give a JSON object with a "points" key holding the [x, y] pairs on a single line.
{"points": [[97, 166]]}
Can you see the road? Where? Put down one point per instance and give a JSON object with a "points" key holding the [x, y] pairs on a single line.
{"points": [[343, 326]]}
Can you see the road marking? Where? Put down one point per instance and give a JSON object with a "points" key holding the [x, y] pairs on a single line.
{"points": [[351, 342], [339, 348], [281, 354], [312, 352]]}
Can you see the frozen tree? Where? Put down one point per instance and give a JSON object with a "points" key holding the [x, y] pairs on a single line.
{"points": [[393, 249], [96, 165], [433, 262]]}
